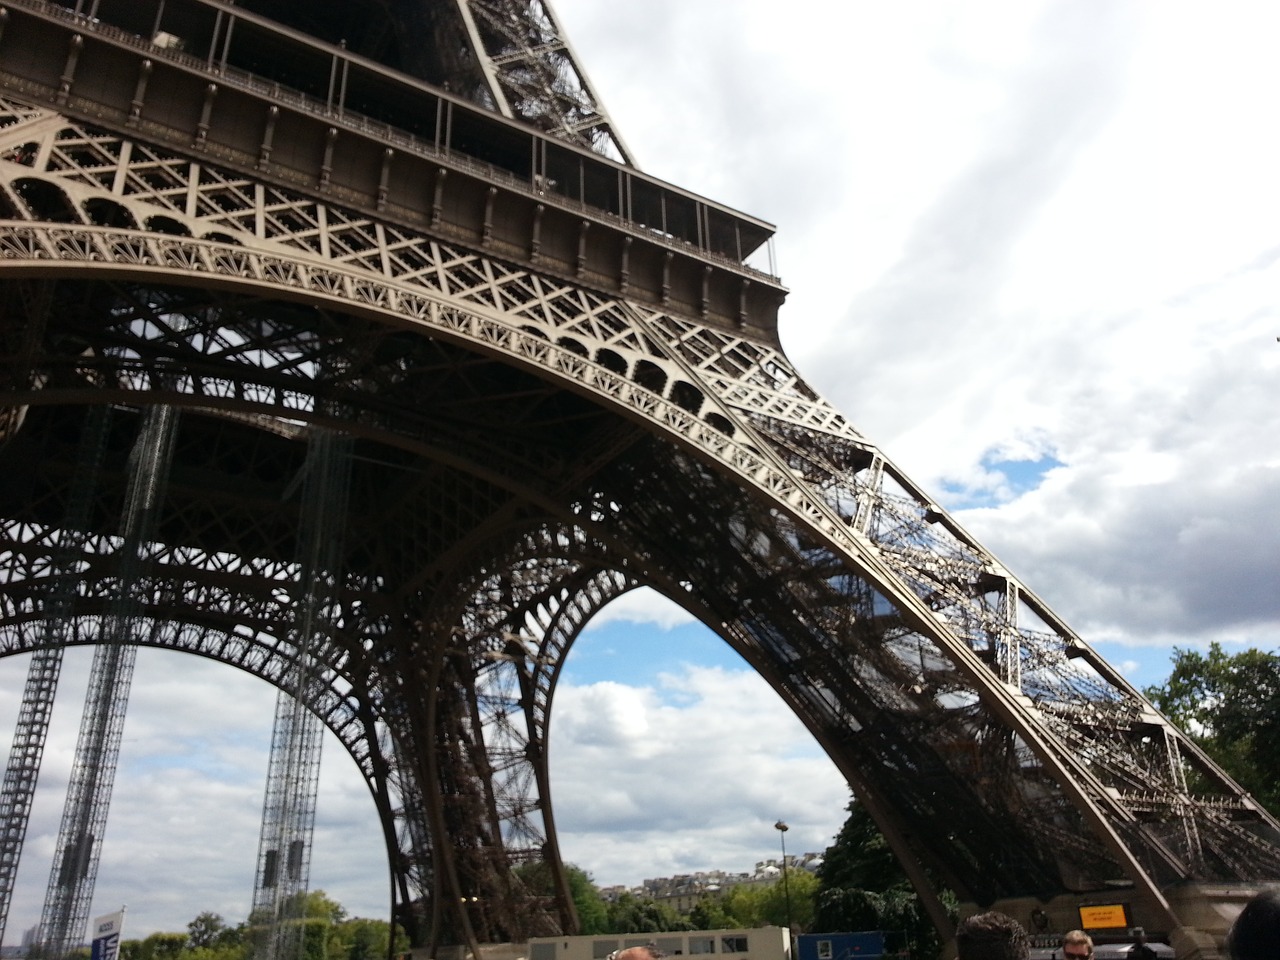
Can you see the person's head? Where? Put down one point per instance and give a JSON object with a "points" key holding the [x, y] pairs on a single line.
{"points": [[992, 936], [1077, 945], [1256, 933], [647, 952]]}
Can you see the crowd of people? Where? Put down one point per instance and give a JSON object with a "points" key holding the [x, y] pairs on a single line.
{"points": [[1255, 935]]}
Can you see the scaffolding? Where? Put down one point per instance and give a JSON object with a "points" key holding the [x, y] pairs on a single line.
{"points": [[84, 815], [289, 807], [32, 730]]}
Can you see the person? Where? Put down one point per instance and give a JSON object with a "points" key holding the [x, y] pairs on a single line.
{"points": [[992, 936], [1077, 945], [647, 952], [1140, 950], [1256, 933]]}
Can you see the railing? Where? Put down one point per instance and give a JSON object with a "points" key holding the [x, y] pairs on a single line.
{"points": [[390, 135]]}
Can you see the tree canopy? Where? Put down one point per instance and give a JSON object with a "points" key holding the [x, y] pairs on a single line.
{"points": [[1230, 705], [863, 887], [330, 935]]}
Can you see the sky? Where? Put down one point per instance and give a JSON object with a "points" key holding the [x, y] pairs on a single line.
{"points": [[1033, 254]]}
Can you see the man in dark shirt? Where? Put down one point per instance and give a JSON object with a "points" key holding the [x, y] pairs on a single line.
{"points": [[1140, 950]]}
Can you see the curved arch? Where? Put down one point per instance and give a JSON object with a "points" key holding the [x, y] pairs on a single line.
{"points": [[686, 396], [573, 346], [612, 361], [172, 226], [104, 212], [650, 376], [838, 512], [45, 200], [720, 422], [753, 464]]}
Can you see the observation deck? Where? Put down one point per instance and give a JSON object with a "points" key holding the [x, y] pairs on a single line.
{"points": [[215, 79]]}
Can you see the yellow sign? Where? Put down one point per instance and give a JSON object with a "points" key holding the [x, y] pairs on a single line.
{"points": [[1103, 916]]}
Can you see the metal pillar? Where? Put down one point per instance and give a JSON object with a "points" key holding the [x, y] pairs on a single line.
{"points": [[84, 816], [289, 808], [32, 730]]}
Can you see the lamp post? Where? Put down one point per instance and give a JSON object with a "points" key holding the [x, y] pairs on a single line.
{"points": [[781, 827]]}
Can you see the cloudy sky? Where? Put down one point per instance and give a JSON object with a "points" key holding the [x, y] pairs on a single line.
{"points": [[1033, 253]]}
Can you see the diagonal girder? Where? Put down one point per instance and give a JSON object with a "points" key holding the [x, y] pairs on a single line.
{"points": [[532, 72]]}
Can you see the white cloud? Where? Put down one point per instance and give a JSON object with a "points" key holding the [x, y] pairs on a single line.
{"points": [[1042, 227], [694, 779], [642, 606]]}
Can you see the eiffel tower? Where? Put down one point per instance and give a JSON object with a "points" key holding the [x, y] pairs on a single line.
{"points": [[411, 224]]}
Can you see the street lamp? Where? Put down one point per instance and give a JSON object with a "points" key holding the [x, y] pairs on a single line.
{"points": [[781, 827]]}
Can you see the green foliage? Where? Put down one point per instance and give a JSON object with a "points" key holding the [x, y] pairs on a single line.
{"points": [[756, 905], [863, 887], [592, 915], [320, 906], [777, 904], [209, 938], [860, 858], [631, 914], [710, 913], [315, 938], [205, 930], [328, 934], [359, 940], [161, 946], [230, 951], [1230, 705]]}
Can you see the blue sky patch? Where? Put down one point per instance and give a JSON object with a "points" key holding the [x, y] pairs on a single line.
{"points": [[636, 653], [1005, 480]]}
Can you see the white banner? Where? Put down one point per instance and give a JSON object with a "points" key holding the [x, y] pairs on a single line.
{"points": [[106, 936]]}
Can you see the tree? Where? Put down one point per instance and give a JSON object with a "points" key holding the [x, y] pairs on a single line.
{"points": [[777, 904], [161, 946], [362, 939], [1230, 705], [320, 906], [323, 927], [863, 887], [632, 914], [860, 857], [205, 929], [592, 916], [710, 913]]}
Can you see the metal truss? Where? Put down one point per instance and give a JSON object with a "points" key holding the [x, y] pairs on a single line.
{"points": [[529, 444], [532, 73], [32, 729], [293, 776], [65, 914]]}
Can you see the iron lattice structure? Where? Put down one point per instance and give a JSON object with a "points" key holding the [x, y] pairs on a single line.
{"points": [[120, 628], [283, 872], [559, 380]]}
